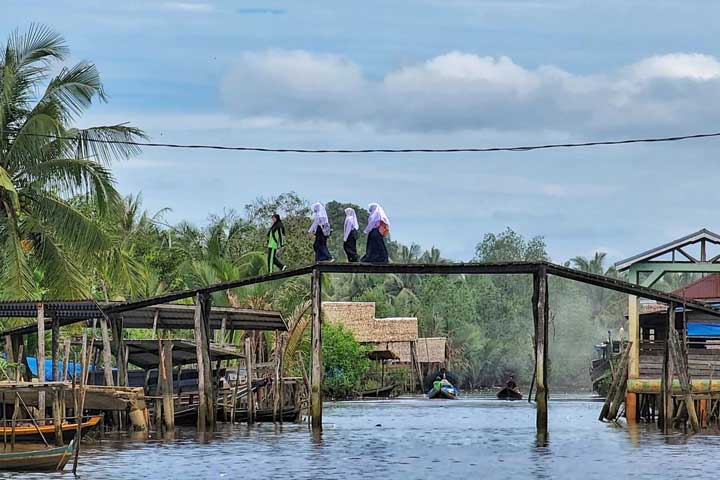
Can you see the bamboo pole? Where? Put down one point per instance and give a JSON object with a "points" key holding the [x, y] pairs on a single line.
{"points": [[618, 386], [667, 373], [235, 392], [41, 356], [681, 367], [316, 396], [248, 376]]}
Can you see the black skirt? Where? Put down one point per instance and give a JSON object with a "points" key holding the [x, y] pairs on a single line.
{"points": [[376, 251], [350, 247], [322, 254]]}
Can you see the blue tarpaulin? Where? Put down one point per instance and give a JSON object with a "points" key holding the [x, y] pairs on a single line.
{"points": [[72, 367], [703, 330]]}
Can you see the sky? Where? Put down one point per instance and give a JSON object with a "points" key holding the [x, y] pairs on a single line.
{"points": [[427, 73]]}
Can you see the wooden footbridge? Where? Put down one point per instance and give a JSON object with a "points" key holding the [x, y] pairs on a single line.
{"points": [[202, 316], [540, 272]]}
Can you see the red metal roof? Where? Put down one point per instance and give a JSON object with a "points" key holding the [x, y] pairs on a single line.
{"points": [[702, 289]]}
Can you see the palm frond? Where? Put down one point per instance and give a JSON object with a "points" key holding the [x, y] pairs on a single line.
{"points": [[73, 229], [7, 185], [38, 44], [74, 89], [62, 277], [15, 271], [72, 176], [108, 143]]}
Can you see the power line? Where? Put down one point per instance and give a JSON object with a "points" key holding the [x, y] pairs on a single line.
{"points": [[384, 150]]}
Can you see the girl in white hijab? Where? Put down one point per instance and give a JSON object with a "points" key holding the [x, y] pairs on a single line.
{"points": [[350, 235], [378, 227], [321, 229]]}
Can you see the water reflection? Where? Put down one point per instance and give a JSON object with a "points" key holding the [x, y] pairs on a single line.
{"points": [[416, 438]]}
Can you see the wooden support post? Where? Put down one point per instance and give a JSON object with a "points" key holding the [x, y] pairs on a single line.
{"points": [[55, 346], [681, 367], [281, 368], [166, 370], [416, 365], [667, 373], [155, 322], [223, 327], [316, 373], [66, 359], [41, 357], [119, 346], [248, 379], [107, 352], [540, 295], [634, 337], [206, 406]]}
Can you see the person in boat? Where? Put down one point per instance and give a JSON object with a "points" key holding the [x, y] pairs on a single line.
{"points": [[276, 241], [511, 383], [321, 229], [377, 228], [350, 235], [437, 384]]}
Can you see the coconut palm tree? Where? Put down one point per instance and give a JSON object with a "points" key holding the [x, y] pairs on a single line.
{"points": [[45, 160], [600, 298]]}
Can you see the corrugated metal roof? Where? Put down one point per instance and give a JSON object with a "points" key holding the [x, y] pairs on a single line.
{"points": [[706, 288]]}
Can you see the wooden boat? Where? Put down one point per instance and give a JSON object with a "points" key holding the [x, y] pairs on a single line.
{"points": [[382, 392], [446, 391], [188, 415], [29, 433], [35, 460], [507, 393]]}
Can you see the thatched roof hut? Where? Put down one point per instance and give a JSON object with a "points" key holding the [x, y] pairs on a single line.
{"points": [[359, 318]]}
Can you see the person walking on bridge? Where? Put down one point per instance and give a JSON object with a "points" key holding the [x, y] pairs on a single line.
{"points": [[350, 235], [321, 229], [276, 241], [377, 228]]}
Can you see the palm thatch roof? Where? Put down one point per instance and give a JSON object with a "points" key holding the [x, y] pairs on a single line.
{"points": [[359, 318]]}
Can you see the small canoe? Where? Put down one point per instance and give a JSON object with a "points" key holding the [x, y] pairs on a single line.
{"points": [[29, 433], [446, 391], [37, 460], [509, 394], [382, 392]]}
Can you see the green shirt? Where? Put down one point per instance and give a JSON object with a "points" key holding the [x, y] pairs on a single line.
{"points": [[275, 239]]}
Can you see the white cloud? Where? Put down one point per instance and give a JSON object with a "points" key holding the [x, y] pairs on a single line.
{"points": [[462, 91], [190, 7]]}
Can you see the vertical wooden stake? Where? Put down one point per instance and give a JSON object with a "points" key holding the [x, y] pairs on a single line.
{"points": [[541, 330], [107, 352], [66, 359], [206, 406], [167, 386], [249, 376], [316, 374], [41, 358], [667, 373], [281, 384]]}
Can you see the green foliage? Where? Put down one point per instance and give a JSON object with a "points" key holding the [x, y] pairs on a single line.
{"points": [[345, 361]]}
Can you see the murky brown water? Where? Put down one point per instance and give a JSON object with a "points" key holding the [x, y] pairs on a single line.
{"points": [[412, 438]]}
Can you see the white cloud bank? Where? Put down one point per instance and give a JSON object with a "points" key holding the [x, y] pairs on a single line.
{"points": [[461, 91]]}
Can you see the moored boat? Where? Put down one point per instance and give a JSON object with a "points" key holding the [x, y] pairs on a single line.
{"points": [[29, 433], [36, 459], [444, 391], [381, 392], [507, 393]]}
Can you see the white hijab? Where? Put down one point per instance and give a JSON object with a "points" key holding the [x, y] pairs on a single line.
{"points": [[351, 223], [321, 219], [377, 215]]}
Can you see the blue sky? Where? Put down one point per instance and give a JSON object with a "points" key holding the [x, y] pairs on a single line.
{"points": [[411, 74]]}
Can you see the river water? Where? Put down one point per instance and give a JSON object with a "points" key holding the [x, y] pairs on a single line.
{"points": [[409, 438]]}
